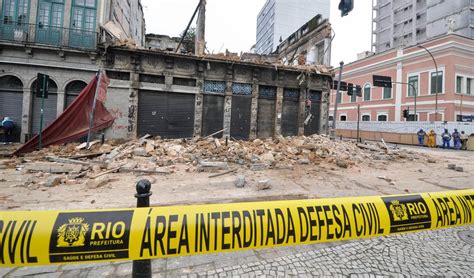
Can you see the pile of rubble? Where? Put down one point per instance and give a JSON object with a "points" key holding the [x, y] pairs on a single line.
{"points": [[149, 156]]}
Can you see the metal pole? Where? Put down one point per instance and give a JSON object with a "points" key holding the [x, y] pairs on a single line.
{"points": [[436, 85], [43, 89], [337, 94], [142, 268], [91, 115], [187, 27], [358, 122]]}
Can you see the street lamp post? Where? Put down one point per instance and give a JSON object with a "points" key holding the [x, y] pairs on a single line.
{"points": [[436, 83]]}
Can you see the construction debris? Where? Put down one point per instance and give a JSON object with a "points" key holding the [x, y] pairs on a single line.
{"points": [[155, 156]]}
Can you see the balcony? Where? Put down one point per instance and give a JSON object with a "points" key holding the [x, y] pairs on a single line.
{"points": [[17, 32]]}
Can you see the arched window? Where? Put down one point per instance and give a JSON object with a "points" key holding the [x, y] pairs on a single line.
{"points": [[73, 89], [343, 118], [366, 118], [367, 92]]}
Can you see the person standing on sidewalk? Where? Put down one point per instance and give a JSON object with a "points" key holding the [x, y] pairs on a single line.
{"points": [[432, 139], [421, 137], [456, 139], [446, 139], [463, 138]]}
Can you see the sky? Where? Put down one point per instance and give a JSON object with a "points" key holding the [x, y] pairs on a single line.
{"points": [[231, 24]]}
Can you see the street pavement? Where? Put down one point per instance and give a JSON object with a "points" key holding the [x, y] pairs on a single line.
{"points": [[445, 252]]}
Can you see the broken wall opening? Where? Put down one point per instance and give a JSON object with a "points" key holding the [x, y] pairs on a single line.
{"points": [[314, 126]]}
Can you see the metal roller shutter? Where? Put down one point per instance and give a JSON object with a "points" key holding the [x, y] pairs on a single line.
{"points": [[50, 111], [168, 115], [50, 107], [240, 117], [265, 117], [290, 109], [11, 103], [212, 114], [313, 127]]}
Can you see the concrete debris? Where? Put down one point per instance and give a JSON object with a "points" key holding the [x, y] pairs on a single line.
{"points": [[258, 167], [264, 184], [147, 155], [53, 181], [52, 167], [140, 152], [239, 181], [98, 182], [431, 160], [384, 178], [452, 166], [459, 169]]}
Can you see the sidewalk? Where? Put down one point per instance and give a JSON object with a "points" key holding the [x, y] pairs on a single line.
{"points": [[446, 252]]}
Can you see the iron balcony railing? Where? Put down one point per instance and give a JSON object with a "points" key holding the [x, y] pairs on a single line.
{"points": [[48, 35]]}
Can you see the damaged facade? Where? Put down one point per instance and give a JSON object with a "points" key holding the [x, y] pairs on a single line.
{"points": [[162, 93], [310, 44]]}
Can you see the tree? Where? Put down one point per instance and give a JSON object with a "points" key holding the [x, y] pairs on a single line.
{"points": [[190, 35]]}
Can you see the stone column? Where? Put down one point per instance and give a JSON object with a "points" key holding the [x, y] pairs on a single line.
{"points": [[301, 111], [278, 111], [227, 108], [254, 111], [32, 19], [324, 108], [25, 115], [198, 106], [60, 103], [133, 105]]}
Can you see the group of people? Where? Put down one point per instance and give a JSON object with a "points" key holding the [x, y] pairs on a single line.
{"points": [[459, 139]]}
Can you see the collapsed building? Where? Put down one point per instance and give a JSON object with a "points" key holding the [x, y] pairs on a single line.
{"points": [[162, 93]]}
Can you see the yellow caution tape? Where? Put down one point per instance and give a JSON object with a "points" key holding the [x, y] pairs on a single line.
{"points": [[47, 237]]}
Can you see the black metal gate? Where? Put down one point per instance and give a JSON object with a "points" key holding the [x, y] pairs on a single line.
{"points": [[212, 114], [313, 127], [11, 102], [266, 111], [169, 115], [290, 109], [50, 107], [240, 117]]}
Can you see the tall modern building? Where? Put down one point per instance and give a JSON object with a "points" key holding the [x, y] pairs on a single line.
{"points": [[280, 18], [408, 22]]}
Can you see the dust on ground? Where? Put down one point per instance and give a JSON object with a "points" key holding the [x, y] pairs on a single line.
{"points": [[209, 170]]}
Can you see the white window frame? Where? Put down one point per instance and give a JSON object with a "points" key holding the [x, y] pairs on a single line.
{"points": [[463, 84], [382, 114], [443, 91], [391, 94], [408, 86], [363, 91], [366, 114]]}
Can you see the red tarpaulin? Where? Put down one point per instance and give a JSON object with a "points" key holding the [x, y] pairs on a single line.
{"points": [[73, 123]]}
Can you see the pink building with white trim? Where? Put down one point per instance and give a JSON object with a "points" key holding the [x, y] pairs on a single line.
{"points": [[454, 56]]}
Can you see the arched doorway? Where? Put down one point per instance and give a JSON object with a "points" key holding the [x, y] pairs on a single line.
{"points": [[50, 107], [73, 89], [11, 102]]}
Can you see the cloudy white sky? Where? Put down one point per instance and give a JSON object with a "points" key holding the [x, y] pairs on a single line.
{"points": [[231, 24]]}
